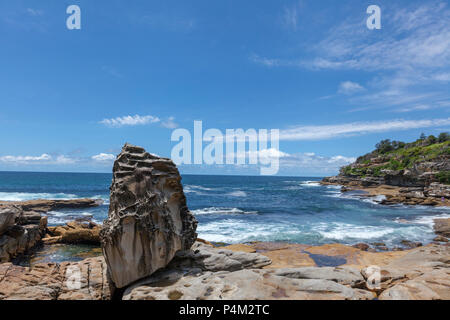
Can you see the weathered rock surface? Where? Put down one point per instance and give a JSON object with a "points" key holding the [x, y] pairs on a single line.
{"points": [[148, 220], [205, 272], [247, 284], [210, 273], [433, 285], [207, 258], [442, 227], [74, 232], [8, 217], [84, 280], [21, 230]]}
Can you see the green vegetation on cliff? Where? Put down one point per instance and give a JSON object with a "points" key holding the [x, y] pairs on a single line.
{"points": [[397, 155]]}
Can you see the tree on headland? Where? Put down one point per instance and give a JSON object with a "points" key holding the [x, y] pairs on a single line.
{"points": [[384, 146], [443, 136]]}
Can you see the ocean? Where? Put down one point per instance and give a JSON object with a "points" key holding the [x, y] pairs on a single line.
{"points": [[237, 209]]}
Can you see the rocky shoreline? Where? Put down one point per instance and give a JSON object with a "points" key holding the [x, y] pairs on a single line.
{"points": [[435, 194], [416, 173], [150, 251], [23, 225], [249, 271]]}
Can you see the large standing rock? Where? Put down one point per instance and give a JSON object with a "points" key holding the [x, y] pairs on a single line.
{"points": [[148, 220]]}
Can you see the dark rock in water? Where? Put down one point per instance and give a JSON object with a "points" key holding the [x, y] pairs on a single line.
{"points": [[440, 239], [43, 205], [74, 232], [148, 220], [361, 246], [410, 244]]}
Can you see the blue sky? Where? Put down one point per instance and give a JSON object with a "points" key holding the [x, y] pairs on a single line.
{"points": [[69, 99]]}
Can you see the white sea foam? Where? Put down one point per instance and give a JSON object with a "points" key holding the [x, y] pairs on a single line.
{"points": [[376, 199], [105, 198], [429, 220], [310, 184], [341, 231], [237, 194], [332, 186], [199, 190], [217, 210], [23, 196], [234, 231]]}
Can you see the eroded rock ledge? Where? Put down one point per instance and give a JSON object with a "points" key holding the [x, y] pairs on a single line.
{"points": [[22, 225], [19, 231]]}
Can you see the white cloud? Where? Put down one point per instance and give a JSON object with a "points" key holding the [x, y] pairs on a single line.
{"points": [[130, 121], [169, 123], [266, 61], [290, 17], [61, 159], [349, 87], [35, 12], [314, 162], [322, 132], [43, 157], [409, 58], [104, 157], [419, 107]]}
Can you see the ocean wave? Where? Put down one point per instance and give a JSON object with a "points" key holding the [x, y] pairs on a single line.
{"points": [[341, 231], [23, 196], [61, 217], [375, 199], [429, 219], [234, 231], [199, 190], [105, 198], [218, 210], [237, 194], [310, 183]]}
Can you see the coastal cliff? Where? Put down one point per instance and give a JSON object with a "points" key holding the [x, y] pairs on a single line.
{"points": [[410, 173]]}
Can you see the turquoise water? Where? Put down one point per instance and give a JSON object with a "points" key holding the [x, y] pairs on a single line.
{"points": [[235, 209]]}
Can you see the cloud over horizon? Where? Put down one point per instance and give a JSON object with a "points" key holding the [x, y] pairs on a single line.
{"points": [[130, 121]]}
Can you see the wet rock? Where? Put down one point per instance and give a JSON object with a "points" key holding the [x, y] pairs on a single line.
{"points": [[74, 232], [411, 244], [43, 206], [148, 220], [440, 239]]}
